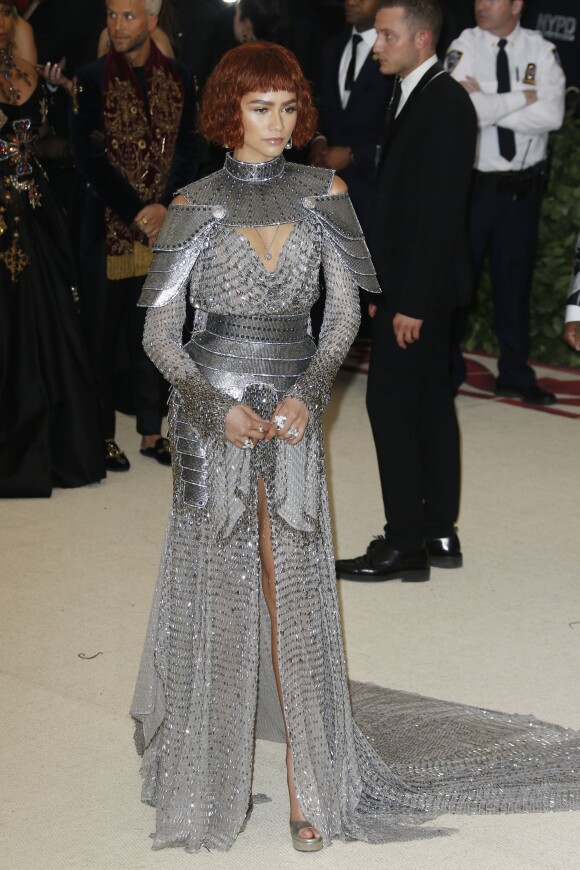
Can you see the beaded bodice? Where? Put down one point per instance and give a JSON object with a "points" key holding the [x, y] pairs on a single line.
{"points": [[231, 278], [19, 128], [19, 171]]}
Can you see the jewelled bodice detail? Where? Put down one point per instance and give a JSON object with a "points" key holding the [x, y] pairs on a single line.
{"points": [[19, 129], [19, 171]]}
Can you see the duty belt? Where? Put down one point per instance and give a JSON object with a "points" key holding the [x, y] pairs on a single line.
{"points": [[518, 182]]}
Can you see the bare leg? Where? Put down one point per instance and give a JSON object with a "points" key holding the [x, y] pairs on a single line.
{"points": [[269, 587]]}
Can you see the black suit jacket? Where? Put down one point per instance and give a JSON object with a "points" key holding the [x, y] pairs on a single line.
{"points": [[360, 124], [418, 236]]}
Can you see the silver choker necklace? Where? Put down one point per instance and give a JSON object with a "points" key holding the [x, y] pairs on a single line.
{"points": [[255, 172]]}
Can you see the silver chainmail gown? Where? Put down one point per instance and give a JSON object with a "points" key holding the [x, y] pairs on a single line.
{"points": [[206, 687]]}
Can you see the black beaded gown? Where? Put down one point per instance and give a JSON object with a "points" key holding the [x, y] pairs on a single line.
{"points": [[49, 427]]}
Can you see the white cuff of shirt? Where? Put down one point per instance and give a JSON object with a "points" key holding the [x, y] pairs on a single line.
{"points": [[572, 313]]}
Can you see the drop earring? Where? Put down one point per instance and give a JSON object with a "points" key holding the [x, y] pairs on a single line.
{"points": [[288, 144]]}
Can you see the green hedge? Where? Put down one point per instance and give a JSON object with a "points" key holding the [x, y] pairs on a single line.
{"points": [[559, 227]]}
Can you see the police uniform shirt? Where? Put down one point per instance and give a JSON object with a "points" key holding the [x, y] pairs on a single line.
{"points": [[363, 50], [533, 64]]}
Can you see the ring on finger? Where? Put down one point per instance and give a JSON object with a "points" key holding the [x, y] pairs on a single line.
{"points": [[248, 444], [293, 432], [261, 430], [279, 421]]}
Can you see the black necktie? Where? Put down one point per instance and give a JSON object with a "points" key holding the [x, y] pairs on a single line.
{"points": [[393, 102], [349, 80], [506, 138]]}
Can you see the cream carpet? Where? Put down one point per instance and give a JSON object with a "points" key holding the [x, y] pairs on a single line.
{"points": [[77, 574]]}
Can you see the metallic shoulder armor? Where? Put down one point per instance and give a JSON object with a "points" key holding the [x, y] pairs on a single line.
{"points": [[178, 246], [259, 194], [336, 216], [249, 195]]}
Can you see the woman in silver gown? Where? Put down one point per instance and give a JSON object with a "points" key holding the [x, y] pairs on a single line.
{"points": [[245, 612]]}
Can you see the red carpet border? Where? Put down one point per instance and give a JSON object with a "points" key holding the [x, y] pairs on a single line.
{"points": [[481, 375]]}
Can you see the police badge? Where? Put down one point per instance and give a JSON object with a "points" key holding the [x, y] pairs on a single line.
{"points": [[530, 74], [452, 59]]}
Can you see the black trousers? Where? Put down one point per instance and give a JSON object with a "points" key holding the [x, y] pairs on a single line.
{"points": [[507, 228], [110, 309], [414, 424]]}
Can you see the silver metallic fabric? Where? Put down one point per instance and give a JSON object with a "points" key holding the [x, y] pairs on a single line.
{"points": [[206, 687], [279, 193]]}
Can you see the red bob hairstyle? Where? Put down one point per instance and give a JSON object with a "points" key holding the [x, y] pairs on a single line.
{"points": [[258, 67]]}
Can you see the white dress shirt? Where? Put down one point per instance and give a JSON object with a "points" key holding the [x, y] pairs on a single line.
{"points": [[573, 306], [410, 82], [533, 64], [363, 50]]}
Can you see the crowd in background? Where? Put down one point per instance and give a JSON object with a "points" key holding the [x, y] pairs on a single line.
{"points": [[57, 40]]}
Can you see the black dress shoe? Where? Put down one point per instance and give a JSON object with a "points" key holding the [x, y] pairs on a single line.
{"points": [[533, 395], [444, 552], [383, 562], [115, 459], [159, 451]]}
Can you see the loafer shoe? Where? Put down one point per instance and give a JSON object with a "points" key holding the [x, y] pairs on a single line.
{"points": [[160, 451], [383, 562], [115, 459], [533, 395], [444, 552]]}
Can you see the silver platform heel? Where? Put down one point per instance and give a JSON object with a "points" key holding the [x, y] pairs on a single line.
{"points": [[303, 844]]}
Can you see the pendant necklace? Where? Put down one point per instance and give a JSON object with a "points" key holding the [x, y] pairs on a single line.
{"points": [[267, 252], [8, 72]]}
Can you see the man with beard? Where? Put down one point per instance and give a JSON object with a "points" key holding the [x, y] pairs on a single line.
{"points": [[133, 137]]}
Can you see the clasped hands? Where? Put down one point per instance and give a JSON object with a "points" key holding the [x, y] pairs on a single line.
{"points": [[243, 424]]}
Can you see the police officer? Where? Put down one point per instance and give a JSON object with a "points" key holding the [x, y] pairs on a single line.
{"points": [[517, 86]]}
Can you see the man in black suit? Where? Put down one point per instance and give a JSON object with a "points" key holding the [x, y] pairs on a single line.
{"points": [[419, 244], [353, 102]]}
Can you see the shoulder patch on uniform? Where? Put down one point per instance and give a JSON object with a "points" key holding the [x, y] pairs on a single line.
{"points": [[452, 59], [556, 54]]}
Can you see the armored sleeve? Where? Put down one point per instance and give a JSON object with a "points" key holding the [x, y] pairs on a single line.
{"points": [[184, 233], [347, 266]]}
